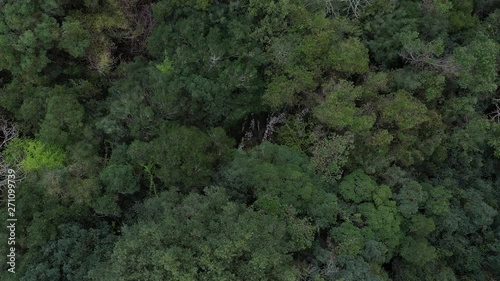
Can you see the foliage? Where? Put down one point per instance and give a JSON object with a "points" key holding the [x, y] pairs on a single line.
{"points": [[330, 155], [339, 110], [185, 156], [278, 178], [34, 155], [374, 132], [478, 65], [206, 238], [73, 254]]}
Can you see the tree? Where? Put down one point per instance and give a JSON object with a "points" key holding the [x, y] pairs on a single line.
{"points": [[410, 197], [461, 15], [357, 187], [355, 268], [276, 179], [63, 121], [220, 82], [34, 155], [339, 110], [120, 178], [477, 62], [72, 32], [438, 202], [283, 90], [349, 56], [184, 156], [350, 239], [418, 252], [421, 226], [369, 207], [403, 110], [330, 155], [426, 54], [206, 237], [385, 29], [72, 255]]}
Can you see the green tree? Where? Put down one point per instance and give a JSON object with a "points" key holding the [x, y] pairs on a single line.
{"points": [[403, 110], [339, 110], [120, 178], [63, 122], [276, 178], [418, 252], [349, 56], [185, 156], [410, 197], [330, 155], [357, 187], [478, 67], [206, 238], [72, 255]]}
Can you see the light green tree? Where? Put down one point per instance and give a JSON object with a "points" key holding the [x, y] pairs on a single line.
{"points": [[34, 154]]}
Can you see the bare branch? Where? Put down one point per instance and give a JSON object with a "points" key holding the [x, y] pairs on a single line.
{"points": [[7, 132], [271, 123], [4, 171], [495, 114], [354, 7], [421, 60]]}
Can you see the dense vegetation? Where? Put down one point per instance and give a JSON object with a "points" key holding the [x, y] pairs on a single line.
{"points": [[252, 139]]}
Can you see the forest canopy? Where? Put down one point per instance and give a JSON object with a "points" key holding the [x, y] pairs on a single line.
{"points": [[217, 140]]}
